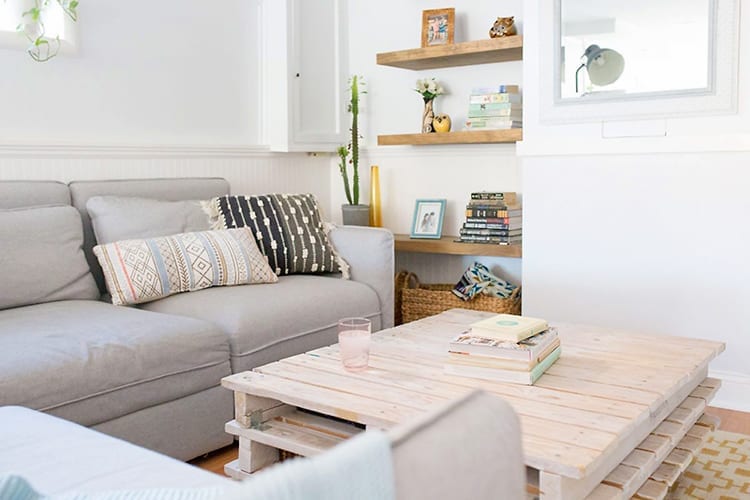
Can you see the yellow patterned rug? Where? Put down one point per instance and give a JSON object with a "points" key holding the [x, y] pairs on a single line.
{"points": [[721, 471]]}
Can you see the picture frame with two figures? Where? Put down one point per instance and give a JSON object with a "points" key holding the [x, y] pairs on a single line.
{"points": [[438, 27], [428, 219]]}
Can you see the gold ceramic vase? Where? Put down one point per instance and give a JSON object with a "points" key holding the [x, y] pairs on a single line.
{"points": [[376, 215]]}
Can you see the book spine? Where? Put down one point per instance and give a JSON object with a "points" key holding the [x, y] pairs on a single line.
{"points": [[475, 238], [492, 126], [493, 220], [542, 367], [494, 106], [475, 212], [481, 112], [508, 197], [481, 226], [496, 97], [488, 232], [500, 89], [491, 204]]}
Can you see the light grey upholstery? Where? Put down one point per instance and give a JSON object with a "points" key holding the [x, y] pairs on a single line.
{"points": [[471, 448], [370, 254], [41, 259], [267, 322], [116, 218], [467, 449], [157, 189], [90, 362], [17, 194], [57, 456], [182, 428]]}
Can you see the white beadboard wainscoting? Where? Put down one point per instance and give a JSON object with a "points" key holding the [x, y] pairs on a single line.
{"points": [[248, 172]]}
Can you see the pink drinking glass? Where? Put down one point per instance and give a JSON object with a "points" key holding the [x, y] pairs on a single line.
{"points": [[354, 343]]}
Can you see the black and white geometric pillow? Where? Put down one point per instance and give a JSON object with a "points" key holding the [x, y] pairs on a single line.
{"points": [[287, 228]]}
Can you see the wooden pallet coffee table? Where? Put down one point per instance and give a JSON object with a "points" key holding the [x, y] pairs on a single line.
{"points": [[616, 407]]}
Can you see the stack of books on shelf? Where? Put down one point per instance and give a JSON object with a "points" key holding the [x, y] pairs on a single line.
{"points": [[504, 348], [493, 218], [495, 108]]}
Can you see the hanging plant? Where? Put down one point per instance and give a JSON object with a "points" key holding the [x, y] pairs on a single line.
{"points": [[42, 48]]}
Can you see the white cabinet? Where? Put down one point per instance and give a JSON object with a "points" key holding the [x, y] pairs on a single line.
{"points": [[304, 74]]}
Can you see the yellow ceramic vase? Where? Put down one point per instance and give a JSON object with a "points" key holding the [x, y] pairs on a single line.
{"points": [[376, 215]]}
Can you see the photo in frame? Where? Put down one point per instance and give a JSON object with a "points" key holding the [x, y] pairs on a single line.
{"points": [[438, 27], [428, 219]]}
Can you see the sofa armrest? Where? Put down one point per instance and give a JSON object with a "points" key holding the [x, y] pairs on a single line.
{"points": [[468, 448], [370, 255]]}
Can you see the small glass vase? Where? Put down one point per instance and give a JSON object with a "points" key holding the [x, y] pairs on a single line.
{"points": [[427, 116]]}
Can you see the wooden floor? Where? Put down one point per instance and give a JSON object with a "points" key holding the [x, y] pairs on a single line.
{"points": [[731, 421]]}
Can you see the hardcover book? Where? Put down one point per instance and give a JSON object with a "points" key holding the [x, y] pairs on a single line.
{"points": [[499, 89], [491, 212], [497, 375], [494, 220], [489, 232], [507, 197], [501, 363], [508, 327], [495, 97], [482, 225], [526, 350]]}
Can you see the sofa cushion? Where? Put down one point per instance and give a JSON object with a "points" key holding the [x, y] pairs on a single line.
{"points": [[138, 271], [287, 227], [58, 457], [116, 218], [195, 188], [89, 361], [18, 194], [267, 323], [41, 259]]}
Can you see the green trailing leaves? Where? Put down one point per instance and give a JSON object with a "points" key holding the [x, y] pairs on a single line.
{"points": [[43, 48]]}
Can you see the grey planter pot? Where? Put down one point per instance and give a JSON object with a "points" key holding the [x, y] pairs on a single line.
{"points": [[356, 215]]}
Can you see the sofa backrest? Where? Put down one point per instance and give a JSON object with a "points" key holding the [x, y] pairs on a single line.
{"points": [[21, 194], [176, 189]]}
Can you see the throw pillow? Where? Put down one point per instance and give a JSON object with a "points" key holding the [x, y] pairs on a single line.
{"points": [[287, 227], [138, 271], [116, 218], [41, 257]]}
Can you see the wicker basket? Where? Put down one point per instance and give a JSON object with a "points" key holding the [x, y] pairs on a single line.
{"points": [[415, 301]]}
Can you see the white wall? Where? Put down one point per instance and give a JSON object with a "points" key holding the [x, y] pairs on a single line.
{"points": [[155, 89], [648, 234], [392, 106], [145, 72]]}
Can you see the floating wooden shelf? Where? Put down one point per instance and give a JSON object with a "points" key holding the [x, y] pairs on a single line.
{"points": [[462, 137], [492, 50], [448, 245]]}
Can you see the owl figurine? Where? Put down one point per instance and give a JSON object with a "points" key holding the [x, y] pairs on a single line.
{"points": [[503, 26]]}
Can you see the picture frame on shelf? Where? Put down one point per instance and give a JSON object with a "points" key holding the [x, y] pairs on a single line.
{"points": [[428, 219], [438, 27]]}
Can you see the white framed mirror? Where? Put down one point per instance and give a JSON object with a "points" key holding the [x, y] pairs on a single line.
{"points": [[639, 59]]}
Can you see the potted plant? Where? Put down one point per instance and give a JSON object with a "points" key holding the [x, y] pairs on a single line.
{"points": [[353, 213]]}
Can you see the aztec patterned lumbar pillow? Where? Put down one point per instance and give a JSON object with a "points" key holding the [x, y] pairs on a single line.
{"points": [[287, 227], [143, 270]]}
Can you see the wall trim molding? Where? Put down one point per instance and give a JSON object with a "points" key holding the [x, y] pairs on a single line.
{"points": [[569, 146], [489, 150], [85, 150], [733, 392]]}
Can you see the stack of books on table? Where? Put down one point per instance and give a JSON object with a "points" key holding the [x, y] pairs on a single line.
{"points": [[492, 217], [504, 348], [495, 108]]}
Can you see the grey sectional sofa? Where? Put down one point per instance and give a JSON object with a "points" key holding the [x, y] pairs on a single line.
{"points": [[151, 374]]}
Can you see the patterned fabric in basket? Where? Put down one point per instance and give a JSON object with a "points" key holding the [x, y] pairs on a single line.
{"points": [[479, 279], [416, 301]]}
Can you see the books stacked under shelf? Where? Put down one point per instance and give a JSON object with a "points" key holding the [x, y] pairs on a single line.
{"points": [[495, 108], [504, 348], [493, 218]]}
